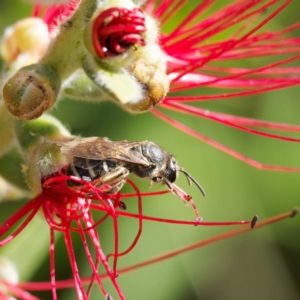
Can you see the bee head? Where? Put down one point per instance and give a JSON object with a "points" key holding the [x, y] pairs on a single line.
{"points": [[171, 170]]}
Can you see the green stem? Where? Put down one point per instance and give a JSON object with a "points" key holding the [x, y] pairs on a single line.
{"points": [[65, 53], [80, 87]]}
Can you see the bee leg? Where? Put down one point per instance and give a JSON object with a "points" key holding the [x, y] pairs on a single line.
{"points": [[115, 188], [116, 178], [114, 175], [177, 191]]}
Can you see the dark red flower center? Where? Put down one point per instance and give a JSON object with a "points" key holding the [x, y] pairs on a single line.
{"points": [[117, 29]]}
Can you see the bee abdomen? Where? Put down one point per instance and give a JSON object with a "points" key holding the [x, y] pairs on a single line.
{"points": [[89, 169]]}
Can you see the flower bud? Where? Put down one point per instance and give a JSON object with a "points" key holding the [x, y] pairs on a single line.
{"points": [[155, 85], [37, 140], [136, 88], [126, 60], [115, 33], [31, 91], [117, 29], [29, 36], [47, 160]]}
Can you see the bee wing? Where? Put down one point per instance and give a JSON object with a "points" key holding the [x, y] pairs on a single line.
{"points": [[101, 149], [85, 163]]}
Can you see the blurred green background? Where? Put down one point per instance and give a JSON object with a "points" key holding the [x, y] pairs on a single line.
{"points": [[263, 264]]}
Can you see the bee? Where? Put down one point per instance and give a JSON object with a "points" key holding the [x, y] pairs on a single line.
{"points": [[101, 161]]}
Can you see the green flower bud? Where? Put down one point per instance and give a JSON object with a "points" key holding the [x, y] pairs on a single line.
{"points": [[29, 37], [154, 82], [47, 159], [37, 140], [136, 88], [31, 91]]}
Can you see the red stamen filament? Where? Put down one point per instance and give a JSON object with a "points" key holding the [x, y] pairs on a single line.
{"points": [[62, 284], [221, 147], [117, 29]]}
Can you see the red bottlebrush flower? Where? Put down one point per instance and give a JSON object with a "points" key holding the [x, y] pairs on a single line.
{"points": [[117, 29], [209, 51], [69, 210]]}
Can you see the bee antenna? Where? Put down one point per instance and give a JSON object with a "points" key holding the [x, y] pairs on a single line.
{"points": [[189, 177]]}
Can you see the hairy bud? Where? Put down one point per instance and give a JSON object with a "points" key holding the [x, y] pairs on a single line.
{"points": [[28, 36], [31, 91], [155, 85]]}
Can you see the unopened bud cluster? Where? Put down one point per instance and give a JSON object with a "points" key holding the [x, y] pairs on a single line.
{"points": [[113, 43]]}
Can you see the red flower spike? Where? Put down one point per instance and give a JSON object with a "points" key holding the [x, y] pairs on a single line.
{"points": [[196, 53], [117, 29], [68, 210]]}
